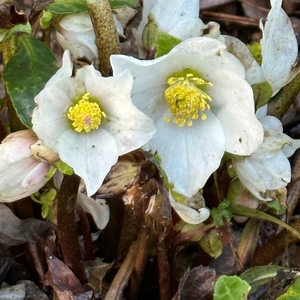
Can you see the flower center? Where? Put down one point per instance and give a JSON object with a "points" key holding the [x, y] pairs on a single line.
{"points": [[186, 97], [85, 115]]}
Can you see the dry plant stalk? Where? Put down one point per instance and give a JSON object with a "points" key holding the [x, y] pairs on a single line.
{"points": [[107, 39]]}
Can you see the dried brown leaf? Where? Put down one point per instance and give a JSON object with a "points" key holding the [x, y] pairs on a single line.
{"points": [[14, 231]]}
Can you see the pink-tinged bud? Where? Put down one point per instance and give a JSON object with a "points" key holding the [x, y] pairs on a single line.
{"points": [[21, 175]]}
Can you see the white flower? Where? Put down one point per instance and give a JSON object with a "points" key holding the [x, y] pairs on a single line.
{"points": [[279, 47], [21, 174], [268, 167], [279, 51], [179, 18], [75, 32], [198, 78], [89, 120]]}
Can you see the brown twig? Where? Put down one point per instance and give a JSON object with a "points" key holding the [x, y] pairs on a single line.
{"points": [[120, 281], [140, 263]]}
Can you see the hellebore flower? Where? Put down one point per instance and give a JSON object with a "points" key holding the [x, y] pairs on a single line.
{"points": [[21, 174], [89, 120], [268, 167], [75, 32], [279, 50], [279, 47], [175, 17], [201, 104]]}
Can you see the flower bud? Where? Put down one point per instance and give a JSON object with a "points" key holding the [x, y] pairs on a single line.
{"points": [[21, 174]]}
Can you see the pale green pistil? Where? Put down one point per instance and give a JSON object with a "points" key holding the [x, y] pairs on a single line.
{"points": [[85, 115], [186, 98]]}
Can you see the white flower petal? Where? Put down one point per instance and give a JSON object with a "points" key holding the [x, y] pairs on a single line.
{"points": [[275, 172], [243, 131], [130, 127], [271, 123], [236, 47], [36, 177], [97, 208], [76, 33], [178, 10], [250, 178], [289, 149], [279, 47], [188, 214], [90, 159], [189, 161], [188, 28]]}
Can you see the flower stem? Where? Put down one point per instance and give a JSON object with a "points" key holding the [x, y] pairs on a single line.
{"points": [[290, 92], [66, 220], [107, 39]]}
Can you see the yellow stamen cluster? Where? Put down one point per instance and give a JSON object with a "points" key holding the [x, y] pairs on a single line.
{"points": [[186, 97], [85, 115]]}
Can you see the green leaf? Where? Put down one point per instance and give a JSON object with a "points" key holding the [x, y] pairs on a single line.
{"points": [[16, 30], [221, 212], [120, 3], [293, 292], [64, 7], [165, 43], [26, 73], [245, 211], [260, 275], [231, 288], [262, 93]]}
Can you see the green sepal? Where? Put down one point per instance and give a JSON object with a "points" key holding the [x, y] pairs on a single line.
{"points": [[64, 168], [231, 288], [262, 93], [165, 43], [50, 173], [26, 73], [46, 19], [276, 207]]}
